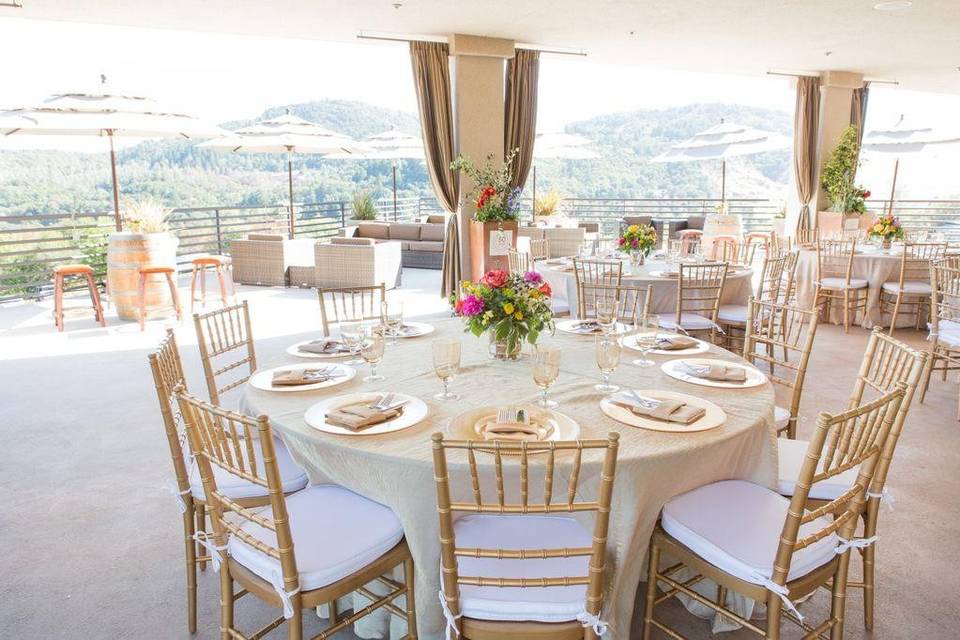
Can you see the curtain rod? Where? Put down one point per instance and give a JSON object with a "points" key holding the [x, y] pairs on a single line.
{"points": [[811, 74], [389, 37]]}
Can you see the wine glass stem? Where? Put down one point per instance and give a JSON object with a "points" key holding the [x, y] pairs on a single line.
{"points": [[543, 396], [373, 369], [605, 378], [446, 387]]}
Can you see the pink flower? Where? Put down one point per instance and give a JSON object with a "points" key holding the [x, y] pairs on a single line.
{"points": [[623, 241], [471, 306], [495, 279], [635, 244], [532, 277]]}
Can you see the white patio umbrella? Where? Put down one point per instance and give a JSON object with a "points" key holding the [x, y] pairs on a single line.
{"points": [[903, 139], [558, 145], [722, 141], [104, 113], [286, 134]]}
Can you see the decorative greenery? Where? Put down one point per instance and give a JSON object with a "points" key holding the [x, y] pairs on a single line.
{"points": [[514, 306], [840, 172], [640, 238], [364, 207], [145, 216], [495, 199], [887, 227], [547, 204]]}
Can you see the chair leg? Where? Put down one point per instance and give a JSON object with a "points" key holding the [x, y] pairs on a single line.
{"points": [[838, 601], [58, 301], [774, 612], [869, 563], [896, 312], [201, 514], [226, 603], [191, 566], [653, 560], [927, 373], [174, 295], [193, 287], [223, 285], [295, 624], [95, 300], [203, 287], [408, 579], [142, 300], [846, 311]]}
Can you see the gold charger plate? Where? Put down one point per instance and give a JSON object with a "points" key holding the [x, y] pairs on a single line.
{"points": [[556, 426], [630, 342], [674, 369], [713, 418]]}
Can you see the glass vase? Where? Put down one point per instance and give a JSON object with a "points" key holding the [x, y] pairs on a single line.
{"points": [[500, 349]]}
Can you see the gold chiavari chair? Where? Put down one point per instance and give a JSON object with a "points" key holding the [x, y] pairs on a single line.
{"points": [[787, 293], [835, 281], [634, 300], [807, 238], [220, 334], [167, 370], [754, 542], [780, 244], [350, 304], [539, 249], [604, 272], [887, 364], [485, 555], [733, 317], [944, 338], [699, 287], [304, 550], [736, 253], [770, 326], [518, 261], [912, 289]]}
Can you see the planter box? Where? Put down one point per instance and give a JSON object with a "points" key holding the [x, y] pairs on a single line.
{"points": [[831, 224], [481, 260], [126, 253]]}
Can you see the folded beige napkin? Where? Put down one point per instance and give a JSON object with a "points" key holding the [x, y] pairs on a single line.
{"points": [[718, 373], [297, 377], [675, 343], [360, 416], [668, 411], [587, 326], [326, 346], [514, 431]]}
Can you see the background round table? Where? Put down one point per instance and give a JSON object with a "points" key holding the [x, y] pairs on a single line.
{"points": [[563, 281], [397, 470]]}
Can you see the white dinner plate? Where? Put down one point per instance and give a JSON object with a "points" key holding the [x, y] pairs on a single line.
{"points": [[294, 350], [263, 380], [674, 369], [414, 411], [630, 342], [714, 416], [665, 274], [415, 329], [567, 326], [558, 426]]}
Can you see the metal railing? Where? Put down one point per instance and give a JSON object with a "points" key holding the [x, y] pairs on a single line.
{"points": [[31, 245]]}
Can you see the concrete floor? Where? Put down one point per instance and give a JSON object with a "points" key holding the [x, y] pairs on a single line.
{"points": [[92, 544]]}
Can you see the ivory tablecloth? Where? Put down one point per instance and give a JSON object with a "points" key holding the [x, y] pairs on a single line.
{"points": [[664, 297], [396, 470]]}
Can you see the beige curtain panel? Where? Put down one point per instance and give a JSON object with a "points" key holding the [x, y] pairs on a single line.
{"points": [[520, 122], [450, 275], [805, 125], [431, 75], [858, 109]]}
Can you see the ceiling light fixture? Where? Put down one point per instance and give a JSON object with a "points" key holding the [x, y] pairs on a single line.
{"points": [[14, 4], [893, 5]]}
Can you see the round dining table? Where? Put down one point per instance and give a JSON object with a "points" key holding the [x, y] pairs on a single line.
{"points": [[563, 281], [396, 469]]}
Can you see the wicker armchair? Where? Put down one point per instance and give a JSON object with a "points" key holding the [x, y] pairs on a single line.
{"points": [[357, 262], [265, 259]]}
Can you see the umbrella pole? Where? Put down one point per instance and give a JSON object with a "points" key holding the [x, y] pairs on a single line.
{"points": [[723, 181], [893, 187], [290, 189], [533, 201], [394, 166], [116, 186]]}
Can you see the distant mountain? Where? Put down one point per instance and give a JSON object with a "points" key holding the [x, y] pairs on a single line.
{"points": [[33, 182]]}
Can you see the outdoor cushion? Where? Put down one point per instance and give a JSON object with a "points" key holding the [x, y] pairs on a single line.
{"points": [[781, 418], [403, 231], [918, 287], [433, 232], [335, 533], [378, 230], [950, 332], [360, 241], [436, 219], [292, 477], [629, 220], [840, 283], [792, 453], [432, 247], [542, 604], [732, 313], [269, 237], [688, 321], [696, 222], [736, 525]]}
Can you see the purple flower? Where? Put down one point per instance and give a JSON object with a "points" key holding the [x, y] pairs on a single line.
{"points": [[513, 199], [635, 244], [532, 277], [472, 306]]}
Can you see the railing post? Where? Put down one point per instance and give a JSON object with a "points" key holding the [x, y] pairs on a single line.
{"points": [[216, 214], [343, 215]]}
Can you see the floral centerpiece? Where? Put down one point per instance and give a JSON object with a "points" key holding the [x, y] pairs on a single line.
{"points": [[492, 194], [887, 228], [511, 307], [638, 240]]}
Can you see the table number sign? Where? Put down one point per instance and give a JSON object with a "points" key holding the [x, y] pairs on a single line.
{"points": [[501, 241]]}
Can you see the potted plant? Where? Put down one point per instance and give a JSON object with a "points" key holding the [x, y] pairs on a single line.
{"points": [[146, 240], [511, 307], [887, 229], [637, 241], [363, 205], [838, 180], [497, 209], [546, 206]]}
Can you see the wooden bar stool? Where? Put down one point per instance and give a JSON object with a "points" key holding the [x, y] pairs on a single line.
{"points": [[169, 272], [80, 271], [719, 242], [689, 240], [200, 265]]}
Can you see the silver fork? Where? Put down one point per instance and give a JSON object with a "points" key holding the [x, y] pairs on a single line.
{"points": [[646, 403], [384, 401]]}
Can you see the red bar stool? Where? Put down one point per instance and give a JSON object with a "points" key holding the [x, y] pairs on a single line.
{"points": [[80, 271], [720, 244], [200, 265], [142, 290]]}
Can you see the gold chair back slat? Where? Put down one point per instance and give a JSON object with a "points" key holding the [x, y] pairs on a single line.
{"points": [[634, 300], [595, 272], [518, 261], [699, 288], [916, 260], [787, 292], [167, 370], [771, 277], [539, 249], [835, 259], [219, 333], [350, 304]]}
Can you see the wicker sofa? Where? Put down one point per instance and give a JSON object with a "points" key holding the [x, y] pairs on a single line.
{"points": [[357, 262], [421, 243], [267, 259], [563, 241]]}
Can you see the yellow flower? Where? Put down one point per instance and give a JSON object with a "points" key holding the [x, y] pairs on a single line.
{"points": [[878, 227], [508, 308], [518, 315], [633, 228]]}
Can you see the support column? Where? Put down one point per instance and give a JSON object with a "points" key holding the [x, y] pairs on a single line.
{"points": [[477, 70], [836, 94]]}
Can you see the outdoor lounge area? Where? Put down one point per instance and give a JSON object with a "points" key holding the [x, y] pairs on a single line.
{"points": [[503, 327]]}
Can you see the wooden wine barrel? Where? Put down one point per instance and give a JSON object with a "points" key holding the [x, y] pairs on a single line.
{"points": [[717, 224], [126, 253]]}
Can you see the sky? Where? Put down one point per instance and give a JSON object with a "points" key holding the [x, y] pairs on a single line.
{"points": [[225, 77]]}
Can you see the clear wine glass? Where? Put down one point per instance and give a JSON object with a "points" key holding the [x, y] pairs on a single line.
{"points": [[607, 309], [608, 357], [371, 350], [351, 333], [645, 338], [391, 315], [446, 363], [546, 370]]}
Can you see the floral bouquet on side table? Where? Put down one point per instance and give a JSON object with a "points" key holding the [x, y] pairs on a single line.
{"points": [[511, 307], [887, 228], [495, 199], [638, 240]]}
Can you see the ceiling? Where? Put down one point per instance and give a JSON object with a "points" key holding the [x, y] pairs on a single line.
{"points": [[919, 47]]}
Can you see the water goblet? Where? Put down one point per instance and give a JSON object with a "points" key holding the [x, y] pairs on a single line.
{"points": [[351, 333], [391, 316], [607, 308], [446, 363], [645, 338], [371, 350], [608, 356], [546, 370]]}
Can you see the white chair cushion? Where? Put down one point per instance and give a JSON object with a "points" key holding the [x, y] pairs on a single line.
{"points": [[292, 476], [915, 287], [559, 306], [540, 604], [688, 321], [792, 453], [733, 313], [840, 283], [781, 417], [335, 533], [950, 333], [736, 525]]}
